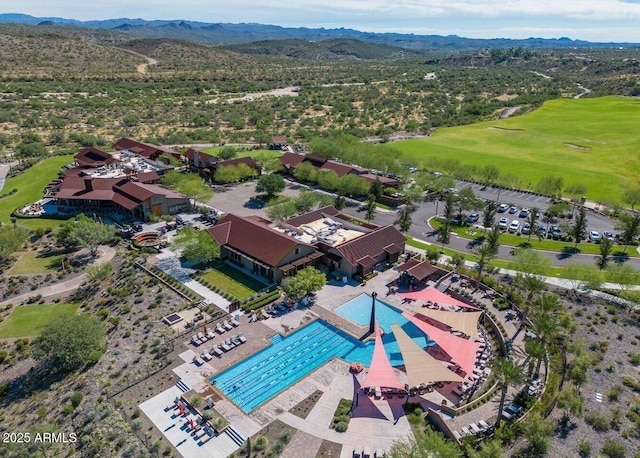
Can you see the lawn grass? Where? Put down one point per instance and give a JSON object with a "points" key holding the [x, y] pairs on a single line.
{"points": [[28, 320], [233, 281], [30, 186], [33, 262], [447, 251], [588, 141], [259, 155]]}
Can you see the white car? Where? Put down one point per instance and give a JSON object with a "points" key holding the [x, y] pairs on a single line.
{"points": [[594, 236], [514, 226], [503, 223], [502, 208]]}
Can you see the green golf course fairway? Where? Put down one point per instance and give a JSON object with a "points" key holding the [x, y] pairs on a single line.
{"points": [[595, 142]]}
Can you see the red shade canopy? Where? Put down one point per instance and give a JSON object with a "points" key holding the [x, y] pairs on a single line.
{"points": [[381, 373], [461, 350], [432, 294]]}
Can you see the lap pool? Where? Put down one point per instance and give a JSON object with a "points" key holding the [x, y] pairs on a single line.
{"points": [[255, 380]]}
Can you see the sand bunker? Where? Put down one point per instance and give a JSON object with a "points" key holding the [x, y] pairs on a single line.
{"points": [[502, 129], [573, 145]]}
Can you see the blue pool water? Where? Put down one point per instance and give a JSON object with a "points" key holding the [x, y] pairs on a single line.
{"points": [[288, 359]]}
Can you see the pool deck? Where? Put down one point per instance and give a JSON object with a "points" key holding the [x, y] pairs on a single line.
{"points": [[376, 423]]}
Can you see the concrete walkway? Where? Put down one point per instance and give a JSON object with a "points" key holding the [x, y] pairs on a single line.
{"points": [[169, 263], [63, 287]]}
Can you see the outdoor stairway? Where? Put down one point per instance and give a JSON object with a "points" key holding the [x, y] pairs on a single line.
{"points": [[234, 435], [183, 386], [442, 287]]}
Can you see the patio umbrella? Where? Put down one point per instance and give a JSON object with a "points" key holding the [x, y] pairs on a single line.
{"points": [[205, 329], [191, 423], [181, 409]]}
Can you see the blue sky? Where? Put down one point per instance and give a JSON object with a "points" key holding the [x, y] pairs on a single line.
{"points": [[594, 20]]}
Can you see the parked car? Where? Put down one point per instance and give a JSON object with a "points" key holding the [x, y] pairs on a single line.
{"points": [[503, 223], [526, 228], [473, 217], [608, 235], [523, 213], [502, 208], [514, 226], [513, 210], [555, 232], [594, 236]]}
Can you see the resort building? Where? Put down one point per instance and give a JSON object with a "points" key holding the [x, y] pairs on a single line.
{"points": [[323, 238], [206, 164], [123, 181]]}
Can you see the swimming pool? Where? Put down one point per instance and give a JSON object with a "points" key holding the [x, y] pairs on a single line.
{"points": [[255, 380], [258, 378]]}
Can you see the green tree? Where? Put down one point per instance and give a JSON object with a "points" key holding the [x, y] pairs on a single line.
{"points": [[11, 240], [490, 174], [282, 211], [352, 185], [85, 232], [404, 218], [197, 247], [570, 401], [508, 373], [576, 191], [583, 275], [444, 234], [489, 214], [606, 249], [629, 225], [537, 431], [339, 202], [631, 197], [227, 174], [489, 448], [427, 444], [457, 261], [69, 342], [305, 171], [467, 200], [303, 283], [96, 273], [550, 185], [536, 351], [493, 240], [271, 184], [532, 219], [485, 254], [579, 228], [376, 189], [189, 184], [371, 208], [531, 265], [623, 275], [227, 152]]}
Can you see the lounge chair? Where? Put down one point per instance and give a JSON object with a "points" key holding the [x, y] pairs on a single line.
{"points": [[195, 341], [206, 356], [198, 361], [475, 428], [219, 329], [466, 432], [242, 338], [235, 340], [202, 337], [216, 351], [235, 323], [226, 325], [379, 453], [357, 452], [210, 335], [366, 453], [484, 425], [378, 393], [225, 347], [229, 343]]}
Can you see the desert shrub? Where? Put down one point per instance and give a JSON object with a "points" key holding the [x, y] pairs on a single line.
{"points": [[597, 421], [614, 449], [76, 398]]}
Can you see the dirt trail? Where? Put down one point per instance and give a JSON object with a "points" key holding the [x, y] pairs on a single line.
{"points": [[142, 68]]}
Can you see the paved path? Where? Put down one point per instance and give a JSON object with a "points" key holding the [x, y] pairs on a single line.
{"points": [[4, 171], [62, 287], [169, 263]]}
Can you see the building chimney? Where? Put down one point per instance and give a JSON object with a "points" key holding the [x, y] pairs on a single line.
{"points": [[88, 184]]}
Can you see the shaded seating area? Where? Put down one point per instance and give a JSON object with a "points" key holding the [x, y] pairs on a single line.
{"points": [[416, 274], [380, 374]]}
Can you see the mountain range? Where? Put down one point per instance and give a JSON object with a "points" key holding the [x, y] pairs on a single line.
{"points": [[234, 34]]}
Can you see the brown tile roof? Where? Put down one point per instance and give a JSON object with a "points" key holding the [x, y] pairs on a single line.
{"points": [[93, 157], [386, 181], [239, 160], [290, 160], [338, 167], [75, 187], [279, 139], [312, 216], [144, 149], [203, 158], [254, 238], [422, 271], [371, 244], [145, 177]]}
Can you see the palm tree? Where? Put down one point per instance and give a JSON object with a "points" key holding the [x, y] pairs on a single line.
{"points": [[486, 254], [508, 373], [536, 351]]}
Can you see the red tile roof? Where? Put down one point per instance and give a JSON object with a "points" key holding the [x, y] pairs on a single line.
{"points": [[290, 160], [144, 149], [338, 167], [93, 157], [279, 139], [203, 158], [254, 238], [312, 216], [370, 244], [248, 160]]}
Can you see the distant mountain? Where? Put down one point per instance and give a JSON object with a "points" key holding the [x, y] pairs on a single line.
{"points": [[227, 34]]}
